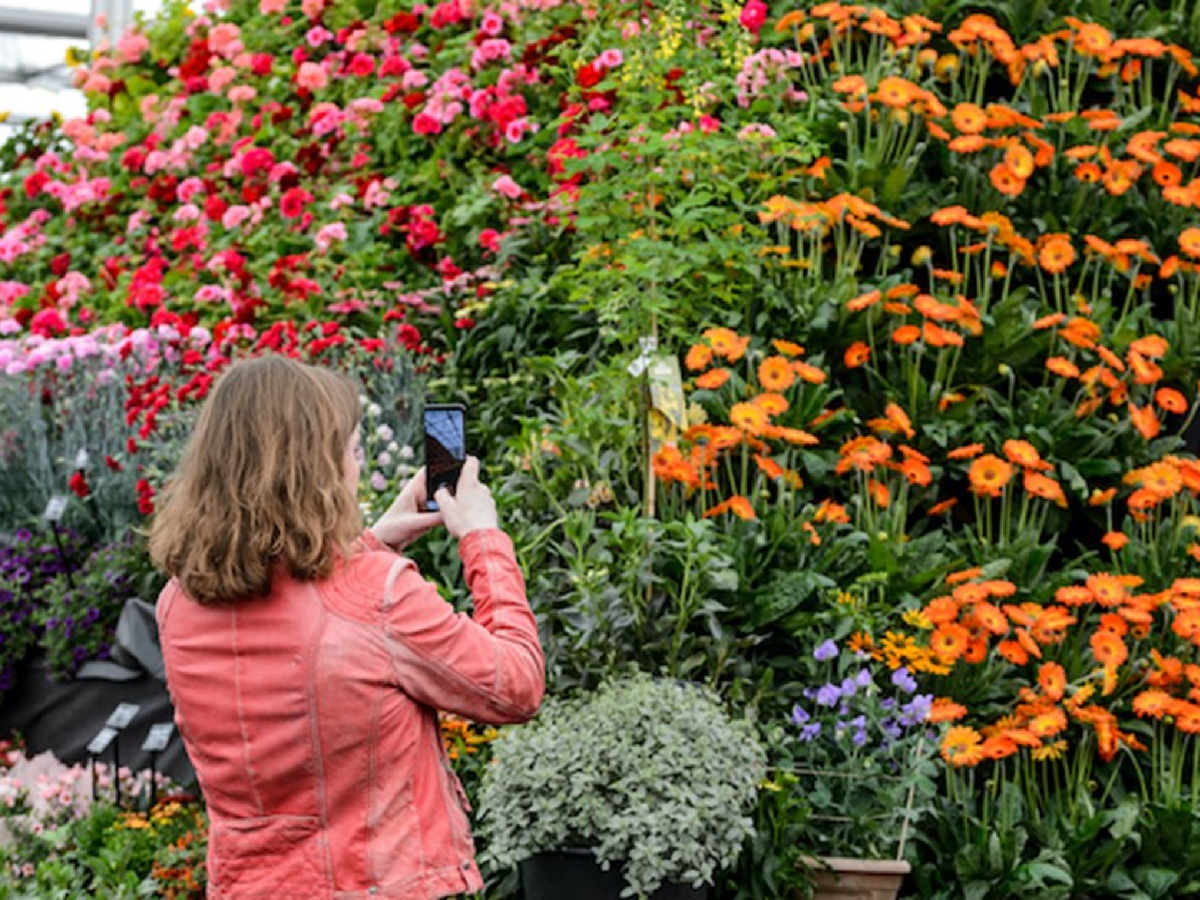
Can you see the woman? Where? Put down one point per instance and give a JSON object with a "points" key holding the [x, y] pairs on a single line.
{"points": [[307, 659]]}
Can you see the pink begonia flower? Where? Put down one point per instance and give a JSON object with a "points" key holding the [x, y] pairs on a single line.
{"points": [[376, 195], [213, 292], [490, 50], [235, 216], [221, 78], [271, 7], [709, 125], [223, 38], [610, 58], [188, 212], [423, 123], [131, 46], [335, 231], [507, 187], [754, 16], [100, 84], [71, 285], [280, 170], [312, 8], [367, 106], [244, 60], [492, 24], [515, 130], [146, 106], [318, 35], [414, 79], [110, 140], [489, 239], [243, 93], [341, 200], [311, 77], [756, 130]]}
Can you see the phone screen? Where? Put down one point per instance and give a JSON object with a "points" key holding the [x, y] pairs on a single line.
{"points": [[445, 448]]}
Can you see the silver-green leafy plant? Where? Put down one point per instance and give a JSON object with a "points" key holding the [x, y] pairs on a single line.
{"points": [[652, 775]]}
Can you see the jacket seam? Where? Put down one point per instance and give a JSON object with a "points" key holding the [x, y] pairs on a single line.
{"points": [[247, 755], [310, 687]]}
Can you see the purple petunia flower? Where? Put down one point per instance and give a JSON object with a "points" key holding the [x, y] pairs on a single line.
{"points": [[849, 687], [904, 681], [828, 695], [810, 731], [799, 715], [827, 650], [863, 678]]}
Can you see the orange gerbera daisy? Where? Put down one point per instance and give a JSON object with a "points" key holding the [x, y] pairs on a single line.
{"points": [[1145, 421], [726, 343], [1013, 652], [856, 355], [1056, 255], [961, 746], [1047, 488], [787, 348], [1053, 680], [737, 504], [710, 381], [749, 418], [1018, 158], [1108, 648], [1115, 540], [1025, 455], [948, 641], [775, 374], [945, 710], [1153, 703], [1108, 590], [906, 334], [1170, 400], [1088, 172], [1006, 181], [772, 404], [1166, 174], [1048, 724], [967, 451], [942, 506], [1189, 242], [989, 474], [969, 118], [1062, 366], [698, 357], [861, 302]]}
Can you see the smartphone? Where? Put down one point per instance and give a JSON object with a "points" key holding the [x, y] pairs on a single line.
{"points": [[445, 448]]}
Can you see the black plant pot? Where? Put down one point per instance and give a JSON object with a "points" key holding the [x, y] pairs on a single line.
{"points": [[575, 875]]}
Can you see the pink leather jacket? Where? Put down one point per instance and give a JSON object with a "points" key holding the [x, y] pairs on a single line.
{"points": [[311, 718]]}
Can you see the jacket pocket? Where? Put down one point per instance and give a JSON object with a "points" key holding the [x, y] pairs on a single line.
{"points": [[258, 857]]}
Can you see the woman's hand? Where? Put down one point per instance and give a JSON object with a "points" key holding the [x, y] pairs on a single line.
{"points": [[470, 507], [407, 519]]}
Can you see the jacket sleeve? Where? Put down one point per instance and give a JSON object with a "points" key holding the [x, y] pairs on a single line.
{"points": [[489, 668]]}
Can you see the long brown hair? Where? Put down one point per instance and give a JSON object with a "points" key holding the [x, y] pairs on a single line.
{"points": [[261, 480]]}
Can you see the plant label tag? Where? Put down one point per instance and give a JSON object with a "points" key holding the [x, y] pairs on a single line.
{"points": [[122, 715], [100, 742], [668, 407], [157, 737], [81, 458], [55, 508]]}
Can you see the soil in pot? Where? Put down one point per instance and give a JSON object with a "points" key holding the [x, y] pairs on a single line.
{"points": [[575, 875]]}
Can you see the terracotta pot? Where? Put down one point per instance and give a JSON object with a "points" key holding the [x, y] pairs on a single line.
{"points": [[838, 878]]}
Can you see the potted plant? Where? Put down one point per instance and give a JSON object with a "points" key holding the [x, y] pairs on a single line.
{"points": [[859, 750], [642, 789]]}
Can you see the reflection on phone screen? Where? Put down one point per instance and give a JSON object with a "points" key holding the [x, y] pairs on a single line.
{"points": [[445, 450]]}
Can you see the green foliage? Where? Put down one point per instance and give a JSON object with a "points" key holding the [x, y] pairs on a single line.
{"points": [[653, 776]]}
